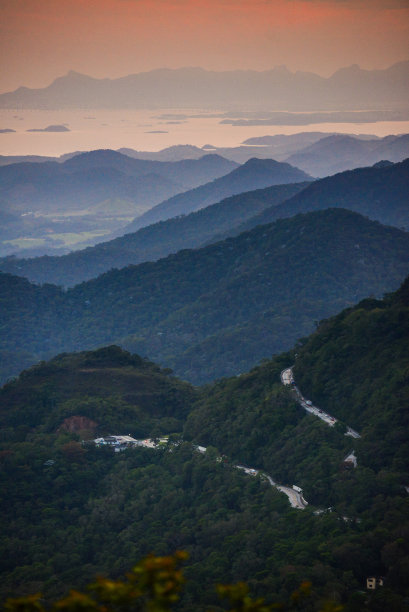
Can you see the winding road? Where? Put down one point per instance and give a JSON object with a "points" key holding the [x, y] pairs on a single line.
{"points": [[294, 494], [287, 378], [295, 497]]}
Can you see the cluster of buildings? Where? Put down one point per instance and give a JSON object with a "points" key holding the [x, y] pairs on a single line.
{"points": [[120, 443]]}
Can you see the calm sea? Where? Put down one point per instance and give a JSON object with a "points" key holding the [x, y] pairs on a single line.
{"points": [[146, 130]]}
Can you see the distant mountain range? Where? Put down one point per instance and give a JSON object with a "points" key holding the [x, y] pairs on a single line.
{"points": [[379, 192], [277, 89], [152, 242], [217, 310], [317, 153], [339, 152], [89, 178], [277, 147], [254, 174], [188, 173], [90, 195]]}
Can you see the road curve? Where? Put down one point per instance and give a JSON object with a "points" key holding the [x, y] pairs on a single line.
{"points": [[295, 498], [287, 378]]}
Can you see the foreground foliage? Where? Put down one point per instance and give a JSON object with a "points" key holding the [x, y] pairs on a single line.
{"points": [[154, 585]]}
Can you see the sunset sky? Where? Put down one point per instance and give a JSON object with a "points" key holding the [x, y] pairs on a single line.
{"points": [[43, 39]]}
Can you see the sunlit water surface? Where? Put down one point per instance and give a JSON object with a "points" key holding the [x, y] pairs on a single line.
{"points": [[146, 130]]}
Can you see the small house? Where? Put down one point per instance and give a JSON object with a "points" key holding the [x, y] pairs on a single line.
{"points": [[373, 582]]}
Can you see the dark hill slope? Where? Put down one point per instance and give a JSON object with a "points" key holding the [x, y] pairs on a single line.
{"points": [[254, 174], [121, 393], [379, 192], [151, 242], [324, 257], [308, 267], [219, 309], [29, 309]]}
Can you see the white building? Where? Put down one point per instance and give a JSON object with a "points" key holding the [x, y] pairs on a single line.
{"points": [[118, 442]]}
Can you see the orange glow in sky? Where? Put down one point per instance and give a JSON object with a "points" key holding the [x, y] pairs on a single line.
{"points": [[43, 39]]}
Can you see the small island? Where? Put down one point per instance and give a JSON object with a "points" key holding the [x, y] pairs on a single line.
{"points": [[51, 128]]}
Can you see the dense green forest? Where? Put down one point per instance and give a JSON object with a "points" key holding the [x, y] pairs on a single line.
{"points": [[73, 510], [356, 366], [218, 310], [109, 386]]}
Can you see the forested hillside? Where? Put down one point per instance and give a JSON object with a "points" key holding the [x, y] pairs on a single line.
{"points": [[73, 511], [356, 366], [217, 310], [110, 387]]}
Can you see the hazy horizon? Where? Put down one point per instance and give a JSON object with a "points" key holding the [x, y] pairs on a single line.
{"points": [[280, 67], [42, 40]]}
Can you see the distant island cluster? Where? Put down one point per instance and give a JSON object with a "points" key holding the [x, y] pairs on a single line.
{"points": [[49, 128]]}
